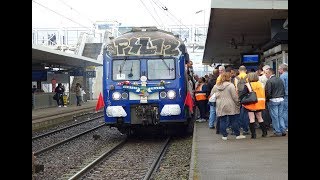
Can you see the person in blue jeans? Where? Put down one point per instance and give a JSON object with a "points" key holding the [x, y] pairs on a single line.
{"points": [[283, 70], [276, 111], [212, 105], [239, 82], [227, 106], [234, 122], [212, 116], [244, 120], [275, 99]]}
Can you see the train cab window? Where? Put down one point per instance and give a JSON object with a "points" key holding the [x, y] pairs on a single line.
{"points": [[161, 69], [126, 70]]}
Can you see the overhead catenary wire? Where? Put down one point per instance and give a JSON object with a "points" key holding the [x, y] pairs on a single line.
{"points": [[163, 25], [161, 10], [163, 7], [150, 13], [72, 8], [59, 14]]}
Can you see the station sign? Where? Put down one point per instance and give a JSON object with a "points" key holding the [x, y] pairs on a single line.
{"points": [[76, 73], [89, 74]]}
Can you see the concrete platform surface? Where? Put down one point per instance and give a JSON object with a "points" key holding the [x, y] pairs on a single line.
{"points": [[244, 159]]}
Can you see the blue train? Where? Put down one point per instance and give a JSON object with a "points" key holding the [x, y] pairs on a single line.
{"points": [[144, 81]]}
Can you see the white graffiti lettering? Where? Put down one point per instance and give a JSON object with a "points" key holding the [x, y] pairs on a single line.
{"points": [[145, 46]]}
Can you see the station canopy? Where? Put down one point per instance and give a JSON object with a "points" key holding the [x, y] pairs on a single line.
{"points": [[43, 56], [233, 30]]}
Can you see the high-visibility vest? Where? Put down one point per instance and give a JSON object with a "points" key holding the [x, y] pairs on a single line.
{"points": [[200, 96], [261, 104]]}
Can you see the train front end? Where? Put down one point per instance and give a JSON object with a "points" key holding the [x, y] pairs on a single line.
{"points": [[144, 80]]}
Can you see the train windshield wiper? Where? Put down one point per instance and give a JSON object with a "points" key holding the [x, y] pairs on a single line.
{"points": [[170, 69], [130, 74], [121, 65]]}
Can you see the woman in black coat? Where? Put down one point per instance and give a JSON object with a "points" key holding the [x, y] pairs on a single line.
{"points": [[59, 95]]}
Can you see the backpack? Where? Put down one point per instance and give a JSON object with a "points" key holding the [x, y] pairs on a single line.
{"points": [[241, 82], [55, 96]]}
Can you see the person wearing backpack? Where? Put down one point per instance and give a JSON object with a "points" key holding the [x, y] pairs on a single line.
{"points": [[239, 83]]}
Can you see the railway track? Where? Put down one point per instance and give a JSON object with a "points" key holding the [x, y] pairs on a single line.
{"points": [[64, 128], [40, 151], [127, 160]]}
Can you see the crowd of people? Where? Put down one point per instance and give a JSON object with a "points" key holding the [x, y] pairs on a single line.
{"points": [[218, 99]]}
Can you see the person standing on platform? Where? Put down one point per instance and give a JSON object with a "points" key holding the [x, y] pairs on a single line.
{"points": [[275, 99], [201, 99], [189, 72], [227, 105], [222, 69], [212, 112], [59, 93], [263, 78], [283, 70], [265, 113], [254, 109], [78, 94], [239, 83]]}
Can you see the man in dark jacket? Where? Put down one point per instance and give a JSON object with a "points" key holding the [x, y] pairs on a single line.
{"points": [[275, 100], [59, 94], [212, 80]]}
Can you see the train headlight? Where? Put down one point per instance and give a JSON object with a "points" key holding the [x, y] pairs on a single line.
{"points": [[163, 94], [116, 96], [124, 95], [171, 94]]}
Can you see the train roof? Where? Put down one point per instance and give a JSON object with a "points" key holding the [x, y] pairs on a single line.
{"points": [[150, 29], [146, 41]]}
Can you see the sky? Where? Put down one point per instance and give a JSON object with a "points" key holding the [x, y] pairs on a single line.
{"points": [[84, 13]]}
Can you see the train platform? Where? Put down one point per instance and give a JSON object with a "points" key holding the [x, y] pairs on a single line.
{"points": [[42, 118], [243, 159]]}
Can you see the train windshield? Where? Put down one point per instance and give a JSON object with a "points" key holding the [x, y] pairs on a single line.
{"points": [[161, 69], [126, 70]]}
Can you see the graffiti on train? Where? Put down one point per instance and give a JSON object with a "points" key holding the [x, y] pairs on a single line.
{"points": [[144, 46]]}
